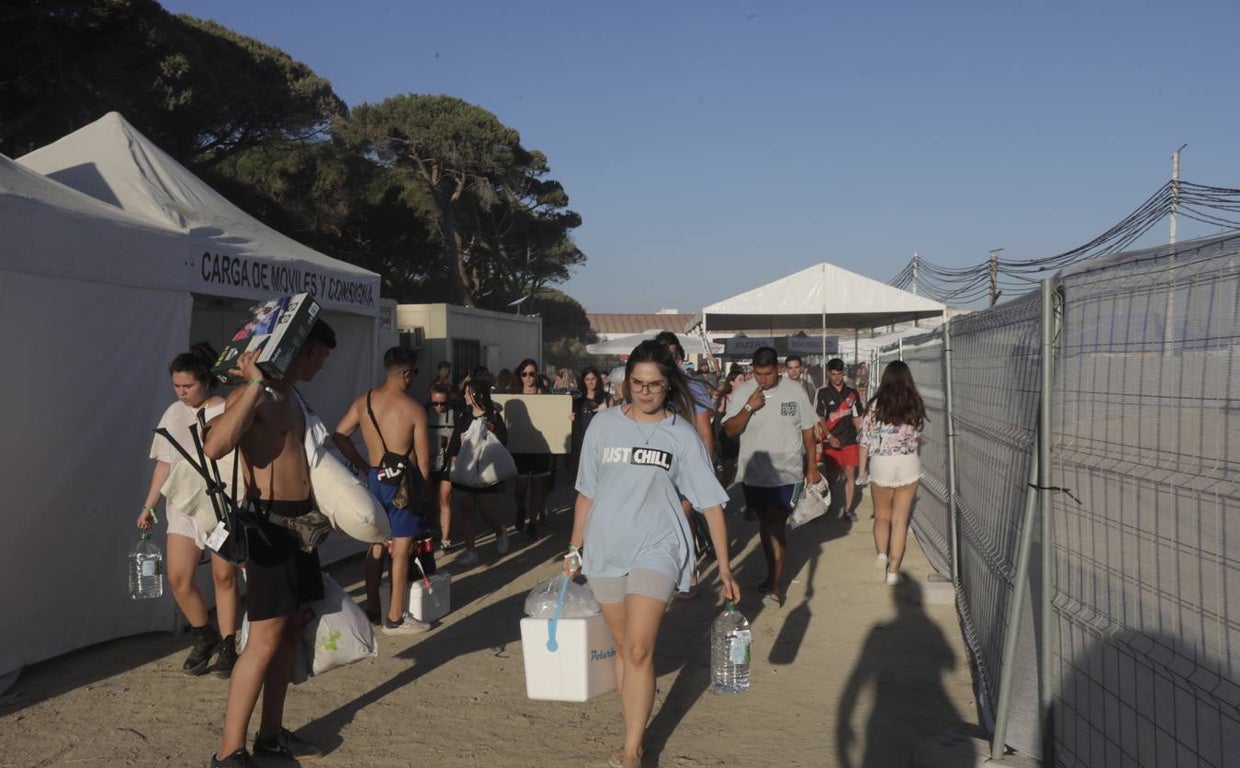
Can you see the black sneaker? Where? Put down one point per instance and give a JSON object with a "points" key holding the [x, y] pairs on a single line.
{"points": [[206, 643], [227, 659], [238, 759], [519, 523], [286, 744]]}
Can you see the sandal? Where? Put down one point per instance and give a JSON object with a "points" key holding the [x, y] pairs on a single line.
{"points": [[617, 758], [772, 600]]}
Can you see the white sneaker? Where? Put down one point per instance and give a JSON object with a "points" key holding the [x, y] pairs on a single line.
{"points": [[894, 578], [470, 558], [501, 542], [407, 626], [880, 561]]}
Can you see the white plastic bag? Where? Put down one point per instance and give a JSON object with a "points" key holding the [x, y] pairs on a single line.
{"points": [[579, 601], [339, 634], [483, 461], [813, 504]]}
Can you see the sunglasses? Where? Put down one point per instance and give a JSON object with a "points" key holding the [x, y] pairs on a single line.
{"points": [[528, 374], [439, 404]]}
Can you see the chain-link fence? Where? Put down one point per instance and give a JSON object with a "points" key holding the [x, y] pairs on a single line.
{"points": [[1138, 665]]}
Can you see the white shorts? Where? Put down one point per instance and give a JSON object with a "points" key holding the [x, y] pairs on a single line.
{"points": [[895, 471], [184, 525]]}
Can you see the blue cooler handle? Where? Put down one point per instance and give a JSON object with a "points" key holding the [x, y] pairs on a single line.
{"points": [[552, 645]]}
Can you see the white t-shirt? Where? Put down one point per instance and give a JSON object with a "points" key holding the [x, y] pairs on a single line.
{"points": [[177, 420], [635, 474], [772, 449]]}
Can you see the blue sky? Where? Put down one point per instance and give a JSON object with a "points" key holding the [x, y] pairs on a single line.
{"points": [[714, 146]]}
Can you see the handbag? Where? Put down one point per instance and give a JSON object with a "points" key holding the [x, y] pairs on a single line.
{"points": [[483, 461]]}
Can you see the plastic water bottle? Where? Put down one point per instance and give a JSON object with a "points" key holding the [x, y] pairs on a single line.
{"points": [[730, 641], [146, 569]]}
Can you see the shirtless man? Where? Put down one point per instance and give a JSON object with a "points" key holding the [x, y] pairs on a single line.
{"points": [[391, 422], [264, 420]]}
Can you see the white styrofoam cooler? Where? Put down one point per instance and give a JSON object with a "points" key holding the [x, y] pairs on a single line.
{"points": [[424, 605], [582, 667]]}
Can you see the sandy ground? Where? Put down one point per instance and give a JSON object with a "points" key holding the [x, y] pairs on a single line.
{"points": [[850, 672]]}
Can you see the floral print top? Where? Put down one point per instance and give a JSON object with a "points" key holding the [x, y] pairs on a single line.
{"points": [[883, 439]]}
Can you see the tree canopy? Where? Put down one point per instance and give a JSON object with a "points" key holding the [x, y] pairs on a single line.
{"points": [[504, 227], [198, 89]]}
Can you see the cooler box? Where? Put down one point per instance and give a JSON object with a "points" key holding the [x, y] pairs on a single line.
{"points": [[582, 667], [425, 606]]}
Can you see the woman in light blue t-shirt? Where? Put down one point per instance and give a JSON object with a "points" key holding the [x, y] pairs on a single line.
{"points": [[630, 536]]}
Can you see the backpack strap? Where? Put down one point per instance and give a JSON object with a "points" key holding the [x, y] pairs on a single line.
{"points": [[375, 421]]}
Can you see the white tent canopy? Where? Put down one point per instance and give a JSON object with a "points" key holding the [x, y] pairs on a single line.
{"points": [[623, 345], [822, 296], [91, 320], [233, 253]]}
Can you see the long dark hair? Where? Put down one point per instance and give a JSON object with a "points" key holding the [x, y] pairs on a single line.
{"points": [[480, 389], [677, 396], [518, 385], [897, 400], [197, 362], [600, 389]]}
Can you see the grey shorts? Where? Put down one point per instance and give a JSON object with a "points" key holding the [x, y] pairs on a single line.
{"points": [[641, 581]]}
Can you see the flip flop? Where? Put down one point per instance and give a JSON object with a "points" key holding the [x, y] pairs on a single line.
{"points": [[617, 758], [772, 600]]}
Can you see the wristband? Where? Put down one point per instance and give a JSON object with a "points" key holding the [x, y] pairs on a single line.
{"points": [[259, 382], [148, 508], [748, 407], [574, 549]]}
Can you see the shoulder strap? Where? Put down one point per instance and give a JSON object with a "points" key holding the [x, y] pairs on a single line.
{"points": [[375, 421]]}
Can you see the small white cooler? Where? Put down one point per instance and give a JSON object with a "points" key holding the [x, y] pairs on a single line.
{"points": [[582, 666], [425, 606]]}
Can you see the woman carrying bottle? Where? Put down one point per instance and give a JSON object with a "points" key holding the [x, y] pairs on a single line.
{"points": [[889, 434], [192, 382], [630, 535], [477, 501]]}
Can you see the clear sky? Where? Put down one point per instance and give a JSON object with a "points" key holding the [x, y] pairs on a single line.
{"points": [[712, 146]]}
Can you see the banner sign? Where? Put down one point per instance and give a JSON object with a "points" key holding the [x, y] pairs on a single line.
{"points": [[286, 278], [747, 345], [812, 345]]}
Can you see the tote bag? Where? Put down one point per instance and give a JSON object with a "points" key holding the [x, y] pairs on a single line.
{"points": [[483, 460]]}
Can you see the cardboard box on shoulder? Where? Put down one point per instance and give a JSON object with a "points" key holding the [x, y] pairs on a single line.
{"points": [[278, 328]]}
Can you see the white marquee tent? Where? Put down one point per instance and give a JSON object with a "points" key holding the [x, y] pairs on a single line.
{"points": [[91, 318], [100, 286], [623, 345], [233, 258], [822, 296]]}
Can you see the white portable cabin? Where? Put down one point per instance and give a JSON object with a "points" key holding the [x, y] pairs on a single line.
{"points": [[467, 338]]}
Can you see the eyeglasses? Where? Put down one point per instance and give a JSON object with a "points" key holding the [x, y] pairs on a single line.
{"points": [[649, 387]]}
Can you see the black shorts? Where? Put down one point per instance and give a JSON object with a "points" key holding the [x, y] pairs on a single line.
{"points": [[279, 577], [532, 464]]}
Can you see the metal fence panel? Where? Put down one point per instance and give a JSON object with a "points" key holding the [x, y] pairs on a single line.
{"points": [[1147, 547]]}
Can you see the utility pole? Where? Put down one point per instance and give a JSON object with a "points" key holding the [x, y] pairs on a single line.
{"points": [[914, 273], [994, 276], [1175, 189]]}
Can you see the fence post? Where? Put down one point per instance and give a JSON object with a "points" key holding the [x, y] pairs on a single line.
{"points": [[1006, 669], [1045, 482], [951, 454]]}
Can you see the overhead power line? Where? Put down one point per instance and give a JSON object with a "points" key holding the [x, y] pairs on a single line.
{"points": [[994, 276]]}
